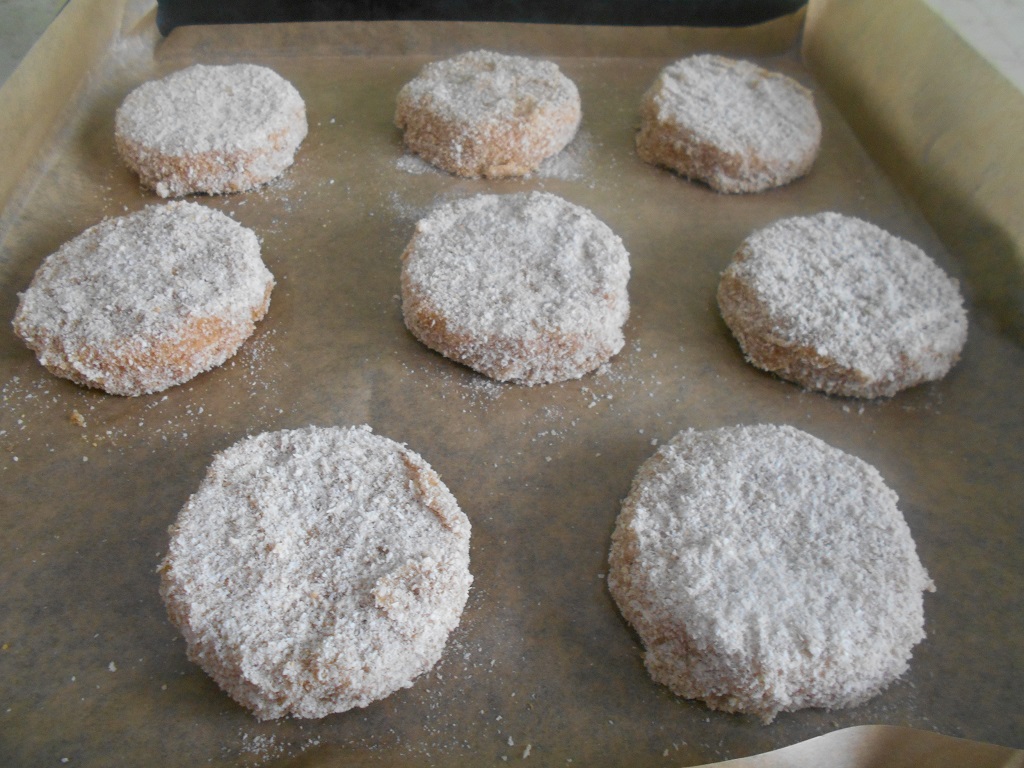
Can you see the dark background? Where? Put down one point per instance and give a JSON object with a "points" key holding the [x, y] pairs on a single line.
{"points": [[172, 13]]}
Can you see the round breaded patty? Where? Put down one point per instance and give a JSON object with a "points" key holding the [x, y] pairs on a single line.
{"points": [[316, 570], [730, 124], [766, 571], [137, 304], [528, 287], [839, 305], [210, 129], [488, 114]]}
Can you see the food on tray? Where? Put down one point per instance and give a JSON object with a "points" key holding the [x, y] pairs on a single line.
{"points": [[139, 303], [730, 124], [488, 114], [210, 129], [766, 571], [525, 287], [839, 305], [317, 570]]}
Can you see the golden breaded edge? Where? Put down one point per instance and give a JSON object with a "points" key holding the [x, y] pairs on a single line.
{"points": [[214, 172], [754, 328], [489, 149], [143, 366], [542, 359], [672, 146]]}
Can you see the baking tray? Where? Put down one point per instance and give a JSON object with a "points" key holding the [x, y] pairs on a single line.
{"points": [[542, 666], [722, 13]]}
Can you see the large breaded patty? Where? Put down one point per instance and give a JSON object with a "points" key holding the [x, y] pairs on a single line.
{"points": [[766, 571], [527, 288], [316, 570]]}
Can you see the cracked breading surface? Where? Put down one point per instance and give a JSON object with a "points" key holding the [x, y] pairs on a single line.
{"points": [[839, 305], [142, 302], [316, 570], [524, 287], [766, 571]]}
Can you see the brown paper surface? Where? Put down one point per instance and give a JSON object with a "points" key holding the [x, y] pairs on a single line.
{"points": [[542, 666]]}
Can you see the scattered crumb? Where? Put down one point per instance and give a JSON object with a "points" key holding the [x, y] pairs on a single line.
{"points": [[571, 164], [414, 164]]}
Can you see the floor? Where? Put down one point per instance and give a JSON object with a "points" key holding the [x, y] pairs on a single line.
{"points": [[994, 27]]}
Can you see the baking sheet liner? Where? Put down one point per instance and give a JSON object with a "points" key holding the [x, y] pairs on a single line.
{"points": [[542, 666]]}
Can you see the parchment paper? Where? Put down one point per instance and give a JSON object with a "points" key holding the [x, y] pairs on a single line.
{"points": [[542, 667]]}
